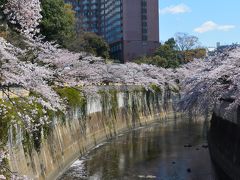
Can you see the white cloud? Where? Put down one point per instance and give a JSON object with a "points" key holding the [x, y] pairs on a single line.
{"points": [[212, 26], [177, 9]]}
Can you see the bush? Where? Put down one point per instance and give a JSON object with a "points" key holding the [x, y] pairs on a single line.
{"points": [[91, 43]]}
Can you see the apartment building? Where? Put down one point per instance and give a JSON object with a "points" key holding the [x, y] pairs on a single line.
{"points": [[131, 27]]}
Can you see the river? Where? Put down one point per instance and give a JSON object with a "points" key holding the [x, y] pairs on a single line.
{"points": [[171, 150]]}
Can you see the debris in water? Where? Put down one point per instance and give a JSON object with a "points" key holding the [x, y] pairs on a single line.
{"points": [[205, 146], [147, 177], [188, 145], [151, 177]]}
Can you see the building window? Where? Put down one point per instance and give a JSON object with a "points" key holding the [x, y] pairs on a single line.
{"points": [[144, 19], [144, 37]]}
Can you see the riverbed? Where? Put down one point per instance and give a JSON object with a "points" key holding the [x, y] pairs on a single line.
{"points": [[170, 150]]}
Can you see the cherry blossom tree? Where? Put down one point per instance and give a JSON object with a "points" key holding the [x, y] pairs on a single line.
{"points": [[41, 66], [207, 82], [24, 13]]}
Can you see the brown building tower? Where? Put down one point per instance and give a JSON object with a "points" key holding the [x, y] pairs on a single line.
{"points": [[131, 27]]}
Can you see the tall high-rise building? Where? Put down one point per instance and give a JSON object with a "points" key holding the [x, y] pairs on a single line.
{"points": [[131, 27]]}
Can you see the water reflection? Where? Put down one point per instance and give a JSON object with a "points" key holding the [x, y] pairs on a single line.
{"points": [[155, 152]]}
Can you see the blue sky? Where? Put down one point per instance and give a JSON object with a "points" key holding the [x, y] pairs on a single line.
{"points": [[210, 20]]}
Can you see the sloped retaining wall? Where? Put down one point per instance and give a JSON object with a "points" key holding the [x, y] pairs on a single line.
{"points": [[224, 142], [105, 117]]}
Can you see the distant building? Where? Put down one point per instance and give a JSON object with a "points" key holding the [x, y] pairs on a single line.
{"points": [[210, 51], [131, 27]]}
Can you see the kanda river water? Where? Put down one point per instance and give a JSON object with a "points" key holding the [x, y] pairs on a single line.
{"points": [[171, 150]]}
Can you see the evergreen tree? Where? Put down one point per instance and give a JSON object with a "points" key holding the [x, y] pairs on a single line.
{"points": [[58, 23]]}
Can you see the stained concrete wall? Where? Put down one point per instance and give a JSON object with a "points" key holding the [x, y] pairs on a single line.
{"points": [[224, 140], [105, 117]]}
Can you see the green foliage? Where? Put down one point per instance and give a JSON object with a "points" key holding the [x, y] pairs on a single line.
{"points": [[11, 115], [157, 61], [165, 56], [114, 102], [2, 2], [73, 96], [92, 43], [189, 55], [5, 121], [2, 16], [15, 38], [4, 168], [58, 23], [156, 88], [166, 51], [168, 55], [14, 106], [171, 43]]}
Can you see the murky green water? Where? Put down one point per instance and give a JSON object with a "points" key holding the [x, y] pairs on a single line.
{"points": [[155, 152]]}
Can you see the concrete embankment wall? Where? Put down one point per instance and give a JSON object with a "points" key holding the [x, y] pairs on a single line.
{"points": [[69, 138], [224, 141]]}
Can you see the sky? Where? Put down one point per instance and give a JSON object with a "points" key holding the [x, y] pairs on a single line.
{"points": [[211, 21]]}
